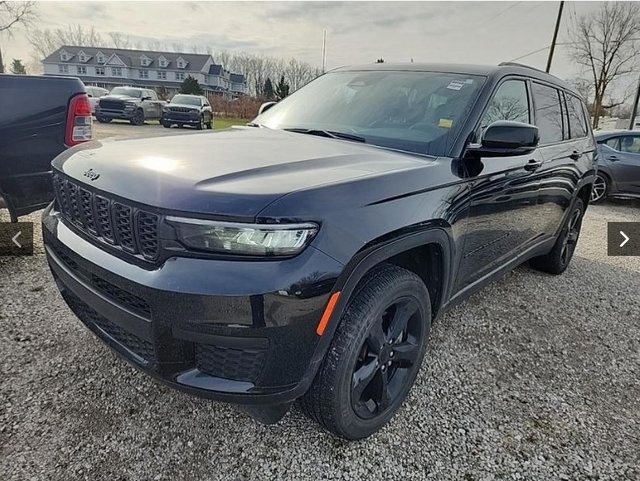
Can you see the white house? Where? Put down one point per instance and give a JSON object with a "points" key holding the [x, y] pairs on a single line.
{"points": [[110, 67]]}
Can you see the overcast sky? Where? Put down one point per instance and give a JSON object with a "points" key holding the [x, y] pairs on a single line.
{"points": [[357, 32]]}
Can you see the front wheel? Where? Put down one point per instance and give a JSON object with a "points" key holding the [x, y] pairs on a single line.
{"points": [[375, 355], [557, 261], [200, 124], [103, 120], [138, 117]]}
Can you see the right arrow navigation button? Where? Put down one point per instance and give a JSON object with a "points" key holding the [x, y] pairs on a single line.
{"points": [[623, 238]]}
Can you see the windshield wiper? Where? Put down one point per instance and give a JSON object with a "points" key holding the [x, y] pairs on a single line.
{"points": [[329, 133]]}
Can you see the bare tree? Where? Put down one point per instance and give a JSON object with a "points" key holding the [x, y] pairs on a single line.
{"points": [[120, 40], [606, 43], [12, 15], [45, 42]]}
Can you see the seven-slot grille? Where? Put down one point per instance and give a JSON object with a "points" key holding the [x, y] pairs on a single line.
{"points": [[134, 231], [111, 104], [180, 109]]}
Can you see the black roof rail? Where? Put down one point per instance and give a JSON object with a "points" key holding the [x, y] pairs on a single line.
{"points": [[515, 64]]}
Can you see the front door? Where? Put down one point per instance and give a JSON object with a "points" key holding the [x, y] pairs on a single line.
{"points": [[503, 212]]}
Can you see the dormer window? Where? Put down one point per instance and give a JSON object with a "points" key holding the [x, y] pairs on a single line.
{"points": [[162, 62], [145, 61], [100, 58], [82, 57], [64, 56], [180, 63]]}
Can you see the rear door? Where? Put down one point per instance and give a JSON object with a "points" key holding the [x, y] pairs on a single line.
{"points": [[566, 148], [503, 211], [625, 164]]}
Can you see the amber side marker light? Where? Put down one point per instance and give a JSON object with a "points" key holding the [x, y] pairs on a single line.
{"points": [[324, 320]]}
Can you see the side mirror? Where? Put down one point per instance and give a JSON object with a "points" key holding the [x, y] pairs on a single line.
{"points": [[266, 106], [506, 138]]}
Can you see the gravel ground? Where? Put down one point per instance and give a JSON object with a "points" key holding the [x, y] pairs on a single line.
{"points": [[535, 377]]}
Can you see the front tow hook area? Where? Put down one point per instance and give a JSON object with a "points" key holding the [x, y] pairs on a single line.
{"points": [[265, 414]]}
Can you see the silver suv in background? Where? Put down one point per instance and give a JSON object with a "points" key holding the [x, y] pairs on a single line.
{"points": [[94, 94]]}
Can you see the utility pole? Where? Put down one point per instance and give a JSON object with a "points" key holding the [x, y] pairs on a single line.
{"points": [[555, 36], [324, 49], [635, 108]]}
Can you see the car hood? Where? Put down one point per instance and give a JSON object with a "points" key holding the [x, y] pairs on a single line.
{"points": [[123, 98], [235, 172]]}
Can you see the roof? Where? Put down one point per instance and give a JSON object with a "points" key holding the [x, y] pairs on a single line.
{"points": [[215, 69], [601, 134], [468, 69], [131, 58], [236, 78]]}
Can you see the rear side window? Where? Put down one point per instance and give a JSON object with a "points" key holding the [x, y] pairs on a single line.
{"points": [[548, 113], [630, 144], [577, 122], [510, 102]]}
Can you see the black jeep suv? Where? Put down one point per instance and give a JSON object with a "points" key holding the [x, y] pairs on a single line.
{"points": [[305, 256]]}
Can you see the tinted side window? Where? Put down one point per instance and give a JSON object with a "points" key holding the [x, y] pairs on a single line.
{"points": [[630, 144], [548, 113], [577, 122], [510, 102]]}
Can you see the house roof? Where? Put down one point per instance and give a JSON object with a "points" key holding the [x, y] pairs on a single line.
{"points": [[237, 78], [131, 58]]}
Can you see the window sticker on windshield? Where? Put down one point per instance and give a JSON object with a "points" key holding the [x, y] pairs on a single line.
{"points": [[455, 85], [445, 123]]}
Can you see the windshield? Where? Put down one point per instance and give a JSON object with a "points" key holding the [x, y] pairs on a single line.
{"points": [[185, 100], [127, 91], [414, 111]]}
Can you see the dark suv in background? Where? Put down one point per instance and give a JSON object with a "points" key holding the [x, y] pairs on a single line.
{"points": [[191, 110], [306, 255]]}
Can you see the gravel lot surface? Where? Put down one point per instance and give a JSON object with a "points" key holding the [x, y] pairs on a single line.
{"points": [[536, 378]]}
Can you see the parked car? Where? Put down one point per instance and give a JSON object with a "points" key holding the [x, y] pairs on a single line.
{"points": [[129, 103], [618, 165], [34, 128], [305, 256], [193, 110], [94, 94]]}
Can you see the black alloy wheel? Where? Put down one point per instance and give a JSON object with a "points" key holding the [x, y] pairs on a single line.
{"points": [[387, 355]]}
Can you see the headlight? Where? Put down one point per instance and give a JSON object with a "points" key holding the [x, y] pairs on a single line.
{"points": [[244, 239], [165, 110]]}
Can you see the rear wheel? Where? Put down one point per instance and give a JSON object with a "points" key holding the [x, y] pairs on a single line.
{"points": [[374, 356], [165, 124], [557, 261], [599, 189], [103, 120]]}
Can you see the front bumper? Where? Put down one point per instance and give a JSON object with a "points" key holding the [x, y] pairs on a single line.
{"points": [[125, 114], [234, 331], [180, 117]]}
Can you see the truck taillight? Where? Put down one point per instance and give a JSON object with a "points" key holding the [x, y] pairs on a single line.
{"points": [[79, 120]]}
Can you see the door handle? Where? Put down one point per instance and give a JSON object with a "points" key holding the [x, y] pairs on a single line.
{"points": [[612, 157], [532, 165], [575, 155]]}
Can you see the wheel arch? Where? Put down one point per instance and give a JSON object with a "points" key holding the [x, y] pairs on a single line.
{"points": [[427, 253]]}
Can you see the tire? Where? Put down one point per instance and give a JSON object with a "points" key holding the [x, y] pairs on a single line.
{"points": [[362, 349], [200, 125], [600, 189], [103, 120], [557, 261], [138, 117], [180, 126], [210, 124]]}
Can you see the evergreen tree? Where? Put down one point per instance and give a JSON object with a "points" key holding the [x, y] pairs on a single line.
{"points": [[268, 89], [282, 89], [191, 86], [17, 67]]}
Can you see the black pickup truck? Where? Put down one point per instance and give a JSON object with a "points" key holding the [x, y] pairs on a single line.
{"points": [[39, 118]]}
